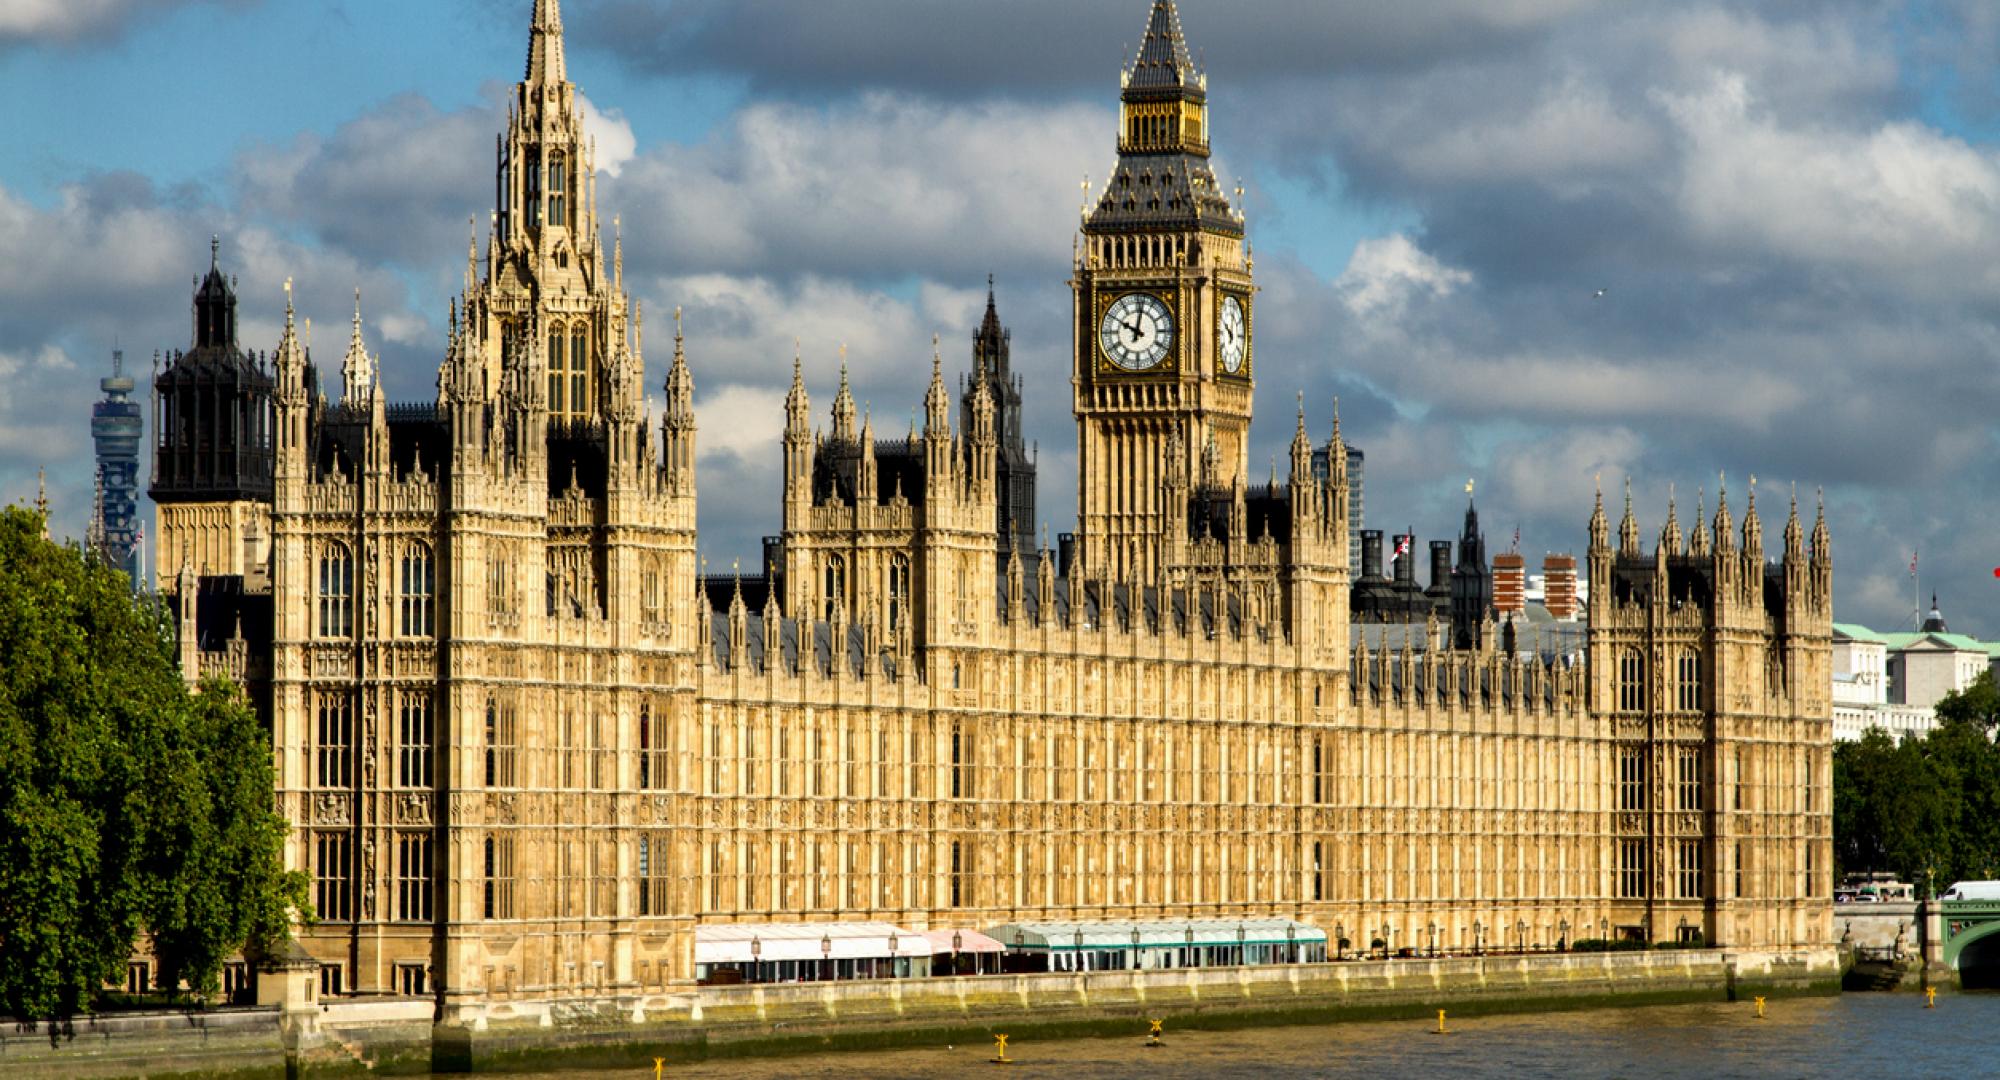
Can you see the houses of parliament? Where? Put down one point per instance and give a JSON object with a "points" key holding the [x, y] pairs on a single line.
{"points": [[527, 746]]}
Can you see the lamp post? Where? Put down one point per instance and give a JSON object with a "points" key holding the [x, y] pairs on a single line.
{"points": [[1339, 941], [826, 954], [756, 950], [1521, 928], [1135, 948], [1682, 936], [1239, 944], [1431, 928], [1388, 946], [1078, 938], [892, 954], [1291, 944], [1189, 958], [1562, 935], [1477, 932], [1604, 929]]}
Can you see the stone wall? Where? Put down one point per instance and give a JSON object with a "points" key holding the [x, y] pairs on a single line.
{"points": [[396, 1035]]}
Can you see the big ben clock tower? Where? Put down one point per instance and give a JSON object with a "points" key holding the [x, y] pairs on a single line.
{"points": [[1163, 335]]}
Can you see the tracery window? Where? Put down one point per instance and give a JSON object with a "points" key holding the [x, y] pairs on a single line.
{"points": [[558, 190], [1690, 869], [558, 373], [499, 743], [413, 876], [498, 885], [899, 591], [1632, 681], [1631, 778], [336, 592], [333, 901], [334, 742], [1631, 869], [418, 586], [415, 737], [1689, 680], [579, 372], [835, 586], [1689, 779]]}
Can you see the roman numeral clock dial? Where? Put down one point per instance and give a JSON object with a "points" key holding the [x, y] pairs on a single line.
{"points": [[1137, 332]]}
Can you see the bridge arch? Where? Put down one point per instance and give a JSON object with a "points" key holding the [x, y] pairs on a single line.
{"points": [[1978, 957], [1971, 933]]}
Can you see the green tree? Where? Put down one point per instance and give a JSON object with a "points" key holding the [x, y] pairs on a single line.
{"points": [[1977, 704], [127, 805]]}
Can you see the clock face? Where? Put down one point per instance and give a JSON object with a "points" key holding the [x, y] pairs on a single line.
{"points": [[1231, 335], [1137, 332]]}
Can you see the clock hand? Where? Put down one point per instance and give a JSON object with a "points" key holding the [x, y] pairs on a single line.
{"points": [[1132, 328]]}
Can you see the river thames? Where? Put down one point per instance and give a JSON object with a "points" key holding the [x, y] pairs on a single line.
{"points": [[1853, 1035]]}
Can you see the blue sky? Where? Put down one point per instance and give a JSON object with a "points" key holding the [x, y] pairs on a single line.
{"points": [[1792, 206]]}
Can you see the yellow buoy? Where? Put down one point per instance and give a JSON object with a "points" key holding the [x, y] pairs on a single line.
{"points": [[1930, 997], [1760, 1008], [1441, 1029], [1153, 1037], [658, 1064], [1000, 1051]]}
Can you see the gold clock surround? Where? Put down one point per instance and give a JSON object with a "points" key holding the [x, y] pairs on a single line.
{"points": [[1170, 364]]}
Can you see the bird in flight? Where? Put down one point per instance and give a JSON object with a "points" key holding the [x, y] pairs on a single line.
{"points": [[1599, 294]]}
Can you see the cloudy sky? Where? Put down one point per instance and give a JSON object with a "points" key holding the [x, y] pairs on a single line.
{"points": [[1791, 208]]}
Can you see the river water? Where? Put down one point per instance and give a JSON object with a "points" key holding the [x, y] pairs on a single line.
{"points": [[1869, 1036]]}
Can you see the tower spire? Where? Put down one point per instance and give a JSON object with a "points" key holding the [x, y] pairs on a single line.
{"points": [[545, 44]]}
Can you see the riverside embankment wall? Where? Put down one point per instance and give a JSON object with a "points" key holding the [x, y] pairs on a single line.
{"points": [[396, 1036]]}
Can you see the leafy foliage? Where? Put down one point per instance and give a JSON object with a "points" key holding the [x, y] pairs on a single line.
{"points": [[127, 805], [1926, 809]]}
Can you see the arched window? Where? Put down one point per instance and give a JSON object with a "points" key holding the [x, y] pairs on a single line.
{"points": [[558, 188], [899, 591], [835, 586], [1690, 680], [416, 587], [558, 383], [336, 592], [1632, 681], [579, 371]]}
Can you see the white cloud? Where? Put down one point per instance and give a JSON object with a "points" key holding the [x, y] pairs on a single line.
{"points": [[71, 20], [1386, 273], [1900, 195], [610, 132]]}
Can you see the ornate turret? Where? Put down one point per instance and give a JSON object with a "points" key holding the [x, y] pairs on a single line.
{"points": [[1014, 467], [1628, 527], [843, 405], [678, 426]]}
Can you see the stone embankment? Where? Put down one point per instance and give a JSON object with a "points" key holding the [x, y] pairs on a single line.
{"points": [[398, 1036]]}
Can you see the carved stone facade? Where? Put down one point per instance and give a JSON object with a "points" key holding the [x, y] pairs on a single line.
{"points": [[527, 746]]}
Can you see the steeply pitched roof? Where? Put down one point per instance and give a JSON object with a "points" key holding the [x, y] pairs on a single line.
{"points": [[1163, 61]]}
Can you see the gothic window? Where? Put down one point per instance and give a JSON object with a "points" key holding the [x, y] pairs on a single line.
{"points": [[558, 373], [899, 591], [961, 885], [413, 876], [499, 583], [335, 739], [1689, 779], [417, 587], [1689, 875], [332, 869], [579, 371], [336, 592], [533, 199], [558, 190], [648, 771], [961, 762], [499, 744], [498, 884], [1631, 778], [1689, 672], [1631, 869], [649, 594], [414, 741], [1632, 681], [835, 586]]}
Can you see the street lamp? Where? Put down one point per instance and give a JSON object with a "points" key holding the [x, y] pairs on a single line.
{"points": [[1239, 943], [1291, 944], [1521, 927], [1387, 945], [1683, 935], [1477, 932], [826, 950], [1562, 935], [1340, 941], [756, 950], [1431, 928], [1604, 929], [892, 954]]}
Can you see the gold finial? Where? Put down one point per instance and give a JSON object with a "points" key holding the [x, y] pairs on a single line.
{"points": [[1468, 486]]}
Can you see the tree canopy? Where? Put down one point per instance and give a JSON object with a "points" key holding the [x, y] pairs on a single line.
{"points": [[1926, 809], [128, 806]]}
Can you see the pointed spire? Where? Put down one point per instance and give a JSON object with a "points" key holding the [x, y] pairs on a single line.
{"points": [[357, 368], [1795, 533], [1163, 60], [797, 405], [1698, 536], [1599, 531], [1628, 527], [42, 497], [545, 44], [937, 402], [843, 404], [1724, 537], [1822, 547], [1670, 534]]}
